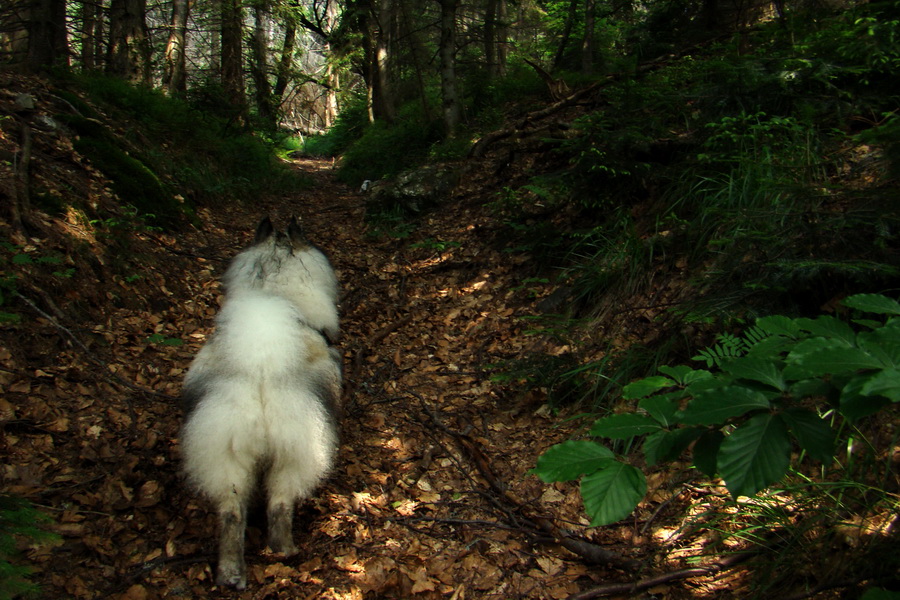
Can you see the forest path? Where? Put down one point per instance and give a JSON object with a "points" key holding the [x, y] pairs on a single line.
{"points": [[431, 497], [409, 512]]}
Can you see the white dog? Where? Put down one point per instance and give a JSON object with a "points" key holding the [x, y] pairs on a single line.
{"points": [[263, 393]]}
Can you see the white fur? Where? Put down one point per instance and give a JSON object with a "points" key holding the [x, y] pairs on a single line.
{"points": [[266, 409], [303, 275]]}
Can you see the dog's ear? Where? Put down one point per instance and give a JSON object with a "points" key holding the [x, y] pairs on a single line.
{"points": [[264, 230], [295, 233]]}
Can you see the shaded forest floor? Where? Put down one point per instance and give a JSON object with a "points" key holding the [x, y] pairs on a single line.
{"points": [[431, 497]]}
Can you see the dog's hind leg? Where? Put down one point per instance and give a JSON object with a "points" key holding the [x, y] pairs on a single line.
{"points": [[280, 511], [232, 570]]}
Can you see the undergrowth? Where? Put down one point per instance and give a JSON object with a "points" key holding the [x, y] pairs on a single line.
{"points": [[165, 155]]}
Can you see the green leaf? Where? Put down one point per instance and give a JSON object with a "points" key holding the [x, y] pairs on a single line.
{"points": [[816, 357], [779, 325], [612, 493], [883, 343], [661, 407], [755, 455], [829, 328], [664, 446], [813, 432], [873, 303], [572, 459], [885, 383], [756, 369], [706, 451], [645, 387], [624, 426], [717, 405], [683, 374], [854, 404]]}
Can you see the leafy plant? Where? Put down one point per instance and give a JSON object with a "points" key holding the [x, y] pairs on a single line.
{"points": [[781, 385]]}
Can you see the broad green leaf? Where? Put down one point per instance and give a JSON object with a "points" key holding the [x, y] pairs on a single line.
{"points": [[829, 328], [683, 374], [755, 455], [716, 406], [884, 383], [706, 452], [756, 369], [873, 303], [572, 459], [883, 343], [830, 361], [665, 446], [854, 404], [645, 387], [778, 325], [661, 407], [624, 426], [808, 388], [813, 432], [612, 493]]}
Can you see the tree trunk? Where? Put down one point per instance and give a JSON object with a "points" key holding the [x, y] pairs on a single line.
{"points": [[47, 41], [129, 45], [91, 30], [175, 78], [502, 46], [260, 66], [286, 62], [566, 34], [332, 84], [232, 64], [447, 52], [490, 38], [383, 98], [587, 46]]}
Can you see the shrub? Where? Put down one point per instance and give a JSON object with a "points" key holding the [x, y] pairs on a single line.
{"points": [[782, 384]]}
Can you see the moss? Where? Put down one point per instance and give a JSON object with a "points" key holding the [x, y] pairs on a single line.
{"points": [[133, 181]]}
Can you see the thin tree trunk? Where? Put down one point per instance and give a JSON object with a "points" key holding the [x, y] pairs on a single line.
{"points": [[566, 34], [447, 52], [232, 64], [502, 27], [176, 77], [490, 38], [89, 39], [381, 61], [260, 67], [587, 47], [286, 61], [332, 84], [129, 48]]}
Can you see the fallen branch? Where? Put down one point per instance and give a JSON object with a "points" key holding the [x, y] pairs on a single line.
{"points": [[588, 551], [720, 565]]}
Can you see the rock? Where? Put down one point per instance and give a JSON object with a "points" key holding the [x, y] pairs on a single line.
{"points": [[25, 102], [417, 189]]}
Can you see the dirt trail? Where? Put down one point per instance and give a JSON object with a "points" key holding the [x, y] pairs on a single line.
{"points": [[431, 496]]}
